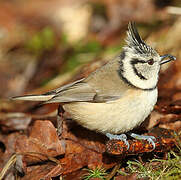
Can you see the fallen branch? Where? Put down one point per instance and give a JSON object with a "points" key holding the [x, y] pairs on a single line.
{"points": [[164, 142]]}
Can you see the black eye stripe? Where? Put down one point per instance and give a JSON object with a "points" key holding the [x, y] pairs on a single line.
{"points": [[136, 61]]}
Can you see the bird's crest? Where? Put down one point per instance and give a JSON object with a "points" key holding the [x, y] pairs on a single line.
{"points": [[135, 42]]}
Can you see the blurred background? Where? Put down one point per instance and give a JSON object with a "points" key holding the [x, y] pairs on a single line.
{"points": [[47, 43], [44, 44]]}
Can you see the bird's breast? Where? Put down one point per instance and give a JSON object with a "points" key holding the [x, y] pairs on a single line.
{"points": [[116, 116]]}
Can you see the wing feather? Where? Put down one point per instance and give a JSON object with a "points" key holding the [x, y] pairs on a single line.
{"points": [[102, 85], [76, 93]]}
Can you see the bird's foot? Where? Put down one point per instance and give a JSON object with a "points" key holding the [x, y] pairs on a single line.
{"points": [[150, 139], [121, 137]]}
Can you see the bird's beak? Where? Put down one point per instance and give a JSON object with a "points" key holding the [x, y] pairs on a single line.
{"points": [[164, 60]]}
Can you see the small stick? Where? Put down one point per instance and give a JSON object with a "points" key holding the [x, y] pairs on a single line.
{"points": [[60, 120], [162, 144]]}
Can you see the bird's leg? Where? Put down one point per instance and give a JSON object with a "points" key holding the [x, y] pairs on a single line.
{"points": [[60, 120], [121, 137], [150, 139]]}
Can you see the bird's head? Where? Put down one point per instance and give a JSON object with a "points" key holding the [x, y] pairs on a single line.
{"points": [[140, 63]]}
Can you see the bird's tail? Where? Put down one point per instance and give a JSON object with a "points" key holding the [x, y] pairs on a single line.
{"points": [[42, 97]]}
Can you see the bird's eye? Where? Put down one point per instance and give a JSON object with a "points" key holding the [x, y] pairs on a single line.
{"points": [[151, 62]]}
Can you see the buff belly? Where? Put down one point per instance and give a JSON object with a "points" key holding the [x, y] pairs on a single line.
{"points": [[114, 117]]}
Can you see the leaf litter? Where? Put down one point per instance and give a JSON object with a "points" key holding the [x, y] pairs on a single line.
{"points": [[29, 145]]}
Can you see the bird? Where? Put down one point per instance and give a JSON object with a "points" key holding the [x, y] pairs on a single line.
{"points": [[118, 96]]}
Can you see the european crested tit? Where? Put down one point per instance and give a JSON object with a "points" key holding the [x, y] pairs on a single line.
{"points": [[118, 96]]}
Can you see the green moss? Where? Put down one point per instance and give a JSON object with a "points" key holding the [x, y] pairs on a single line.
{"points": [[87, 47], [114, 49], [83, 52], [41, 41], [158, 168], [97, 173]]}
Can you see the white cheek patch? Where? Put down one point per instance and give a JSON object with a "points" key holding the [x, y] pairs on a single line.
{"points": [[151, 75]]}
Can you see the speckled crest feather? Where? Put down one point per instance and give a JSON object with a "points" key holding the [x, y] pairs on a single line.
{"points": [[135, 42]]}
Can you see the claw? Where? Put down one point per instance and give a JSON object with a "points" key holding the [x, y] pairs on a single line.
{"points": [[150, 139], [121, 137]]}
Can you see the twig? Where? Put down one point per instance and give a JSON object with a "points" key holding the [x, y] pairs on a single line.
{"points": [[163, 143]]}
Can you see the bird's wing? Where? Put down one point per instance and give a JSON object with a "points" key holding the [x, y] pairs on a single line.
{"points": [[76, 91], [102, 85]]}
